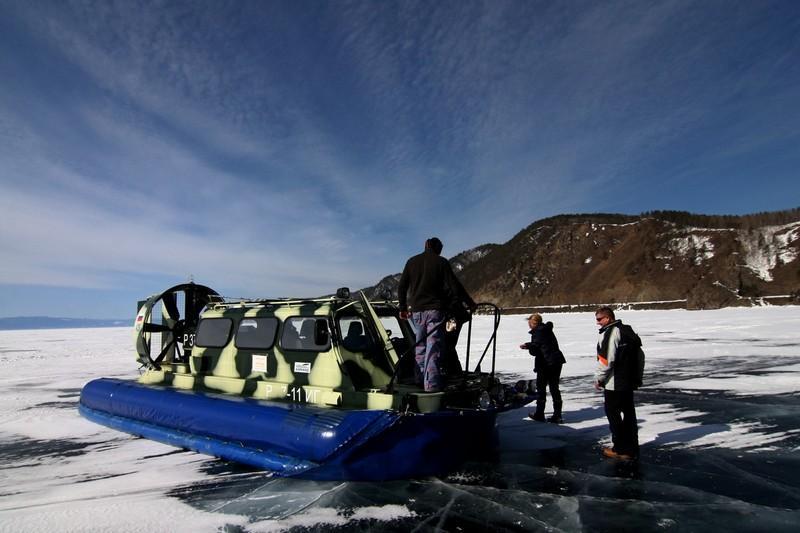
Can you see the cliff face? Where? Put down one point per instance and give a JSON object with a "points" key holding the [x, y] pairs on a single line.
{"points": [[702, 262]]}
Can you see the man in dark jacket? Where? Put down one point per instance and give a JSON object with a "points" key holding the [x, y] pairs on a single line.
{"points": [[617, 381], [457, 314], [427, 289], [547, 364]]}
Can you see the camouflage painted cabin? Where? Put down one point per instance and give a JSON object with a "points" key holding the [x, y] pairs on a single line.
{"points": [[325, 351]]}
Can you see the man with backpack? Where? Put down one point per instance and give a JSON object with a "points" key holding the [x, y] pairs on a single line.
{"points": [[620, 363]]}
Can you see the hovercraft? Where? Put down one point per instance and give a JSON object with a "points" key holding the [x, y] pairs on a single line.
{"points": [[316, 388]]}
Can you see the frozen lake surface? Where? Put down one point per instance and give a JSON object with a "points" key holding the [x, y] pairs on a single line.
{"points": [[719, 425]]}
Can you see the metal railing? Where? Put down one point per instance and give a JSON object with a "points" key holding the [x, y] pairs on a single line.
{"points": [[492, 342]]}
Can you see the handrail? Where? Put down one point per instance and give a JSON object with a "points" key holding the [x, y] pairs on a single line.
{"points": [[491, 342]]}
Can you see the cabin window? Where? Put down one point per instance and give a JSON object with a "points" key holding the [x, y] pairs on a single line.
{"points": [[392, 326], [354, 334], [256, 333], [305, 333], [213, 332]]}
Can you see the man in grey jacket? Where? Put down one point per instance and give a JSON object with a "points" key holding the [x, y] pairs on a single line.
{"points": [[617, 389]]}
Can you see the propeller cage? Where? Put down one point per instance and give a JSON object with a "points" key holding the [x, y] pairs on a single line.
{"points": [[179, 308]]}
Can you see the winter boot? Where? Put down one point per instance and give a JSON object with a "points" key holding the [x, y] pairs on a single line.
{"points": [[556, 418], [612, 454], [537, 415]]}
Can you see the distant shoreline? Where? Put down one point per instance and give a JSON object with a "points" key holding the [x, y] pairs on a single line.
{"points": [[760, 301], [45, 322]]}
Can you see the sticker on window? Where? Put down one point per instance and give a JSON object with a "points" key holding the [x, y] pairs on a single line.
{"points": [[259, 363], [302, 368]]}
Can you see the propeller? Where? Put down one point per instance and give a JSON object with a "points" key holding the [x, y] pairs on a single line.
{"points": [[175, 331]]}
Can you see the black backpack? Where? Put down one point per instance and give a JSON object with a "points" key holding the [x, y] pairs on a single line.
{"points": [[629, 357]]}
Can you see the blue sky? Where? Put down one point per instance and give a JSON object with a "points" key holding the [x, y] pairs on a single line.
{"points": [[286, 148]]}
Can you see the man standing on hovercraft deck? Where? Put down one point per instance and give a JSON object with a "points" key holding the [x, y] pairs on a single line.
{"points": [[430, 285]]}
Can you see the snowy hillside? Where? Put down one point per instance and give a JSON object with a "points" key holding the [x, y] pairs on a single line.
{"points": [[585, 259]]}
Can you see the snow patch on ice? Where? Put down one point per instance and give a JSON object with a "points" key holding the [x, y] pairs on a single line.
{"points": [[767, 383], [335, 517], [750, 436]]}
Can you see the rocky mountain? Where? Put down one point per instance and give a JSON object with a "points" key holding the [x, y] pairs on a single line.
{"points": [[656, 259]]}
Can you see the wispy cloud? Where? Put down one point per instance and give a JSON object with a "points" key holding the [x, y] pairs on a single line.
{"points": [[291, 148]]}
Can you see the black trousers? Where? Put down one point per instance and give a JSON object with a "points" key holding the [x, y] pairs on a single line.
{"points": [[449, 364], [621, 415], [548, 376]]}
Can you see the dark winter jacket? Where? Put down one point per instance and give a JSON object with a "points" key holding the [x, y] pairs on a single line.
{"points": [[614, 372], [427, 283], [462, 304], [544, 347]]}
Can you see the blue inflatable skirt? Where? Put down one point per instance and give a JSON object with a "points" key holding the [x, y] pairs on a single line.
{"points": [[294, 439]]}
